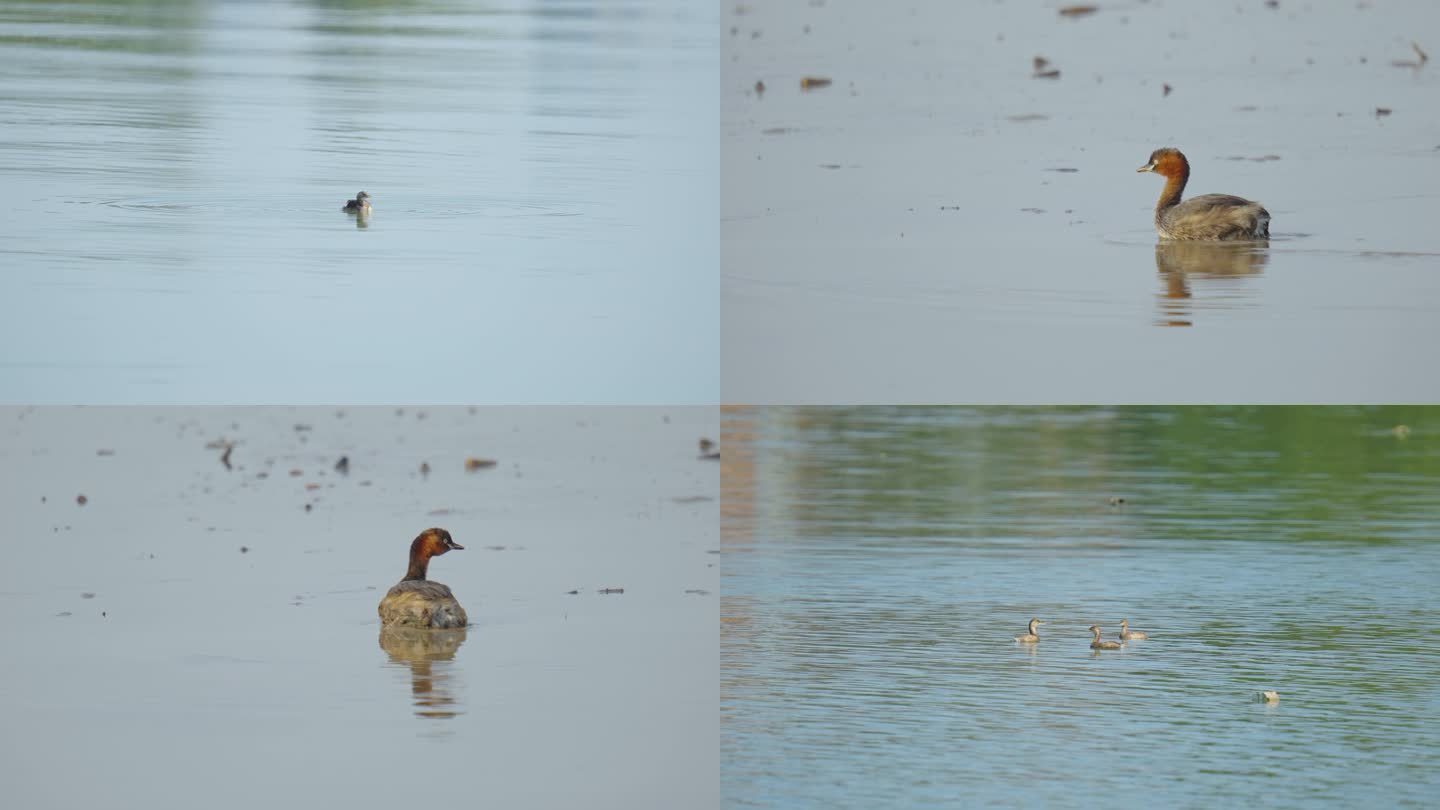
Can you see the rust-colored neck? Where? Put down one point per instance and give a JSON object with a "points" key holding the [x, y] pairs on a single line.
{"points": [[419, 559], [1174, 187]]}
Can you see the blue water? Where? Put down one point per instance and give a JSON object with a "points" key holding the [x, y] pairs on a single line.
{"points": [[879, 561], [544, 183]]}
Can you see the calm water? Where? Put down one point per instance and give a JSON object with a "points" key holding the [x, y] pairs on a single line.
{"points": [[214, 623], [938, 203], [544, 184], [878, 562]]}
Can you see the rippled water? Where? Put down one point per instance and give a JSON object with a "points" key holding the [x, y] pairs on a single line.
{"points": [[937, 201], [879, 561], [542, 173]]}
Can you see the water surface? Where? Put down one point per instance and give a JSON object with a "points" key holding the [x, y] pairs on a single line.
{"points": [[879, 561], [544, 187], [219, 624], [937, 225]]}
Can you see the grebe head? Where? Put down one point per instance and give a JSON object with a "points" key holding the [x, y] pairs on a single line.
{"points": [[1167, 162], [430, 543], [362, 196], [1124, 623], [1033, 624], [1095, 628]]}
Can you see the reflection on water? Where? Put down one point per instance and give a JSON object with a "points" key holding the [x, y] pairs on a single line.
{"points": [[1219, 267], [879, 562], [429, 655]]}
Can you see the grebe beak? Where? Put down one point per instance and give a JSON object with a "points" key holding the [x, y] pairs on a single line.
{"points": [[1148, 167], [456, 546]]}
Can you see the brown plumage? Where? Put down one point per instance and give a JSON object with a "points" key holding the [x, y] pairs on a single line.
{"points": [[1210, 217], [1097, 644], [416, 601], [1127, 634]]}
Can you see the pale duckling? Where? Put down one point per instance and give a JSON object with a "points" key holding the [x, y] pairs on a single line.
{"points": [[1097, 644], [1270, 697], [1211, 217], [359, 205], [1030, 636], [1126, 634], [416, 601]]}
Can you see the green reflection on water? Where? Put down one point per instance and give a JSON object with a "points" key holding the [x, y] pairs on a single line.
{"points": [[1303, 473]]}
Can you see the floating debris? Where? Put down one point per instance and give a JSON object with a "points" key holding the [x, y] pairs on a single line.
{"points": [[814, 82], [1025, 117], [698, 591], [424, 468], [1165, 90], [104, 452], [225, 456], [610, 590], [1063, 170], [1040, 63], [1381, 112], [296, 473], [343, 465], [1033, 210], [311, 487], [87, 595], [1078, 11], [1401, 431], [244, 549], [709, 451], [81, 499], [1117, 501], [308, 507], [303, 428], [1406, 63], [472, 464], [575, 592], [759, 87], [1046, 74]]}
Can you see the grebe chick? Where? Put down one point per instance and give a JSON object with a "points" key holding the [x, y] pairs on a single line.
{"points": [[1125, 632], [416, 601], [1211, 217], [1097, 644], [1030, 636], [359, 205]]}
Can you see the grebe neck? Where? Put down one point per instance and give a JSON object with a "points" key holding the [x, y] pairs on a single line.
{"points": [[419, 563], [1174, 187]]}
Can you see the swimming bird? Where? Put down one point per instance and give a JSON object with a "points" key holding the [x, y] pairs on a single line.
{"points": [[359, 205], [416, 601], [1211, 217], [1097, 644], [1030, 636], [1126, 634]]}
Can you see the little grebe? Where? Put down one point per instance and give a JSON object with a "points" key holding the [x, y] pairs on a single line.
{"points": [[1097, 644], [1126, 634], [1030, 635], [416, 601], [359, 205], [1212, 217]]}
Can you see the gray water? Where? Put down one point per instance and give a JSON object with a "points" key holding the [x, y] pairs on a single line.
{"points": [[938, 204], [879, 561], [197, 636], [543, 177]]}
